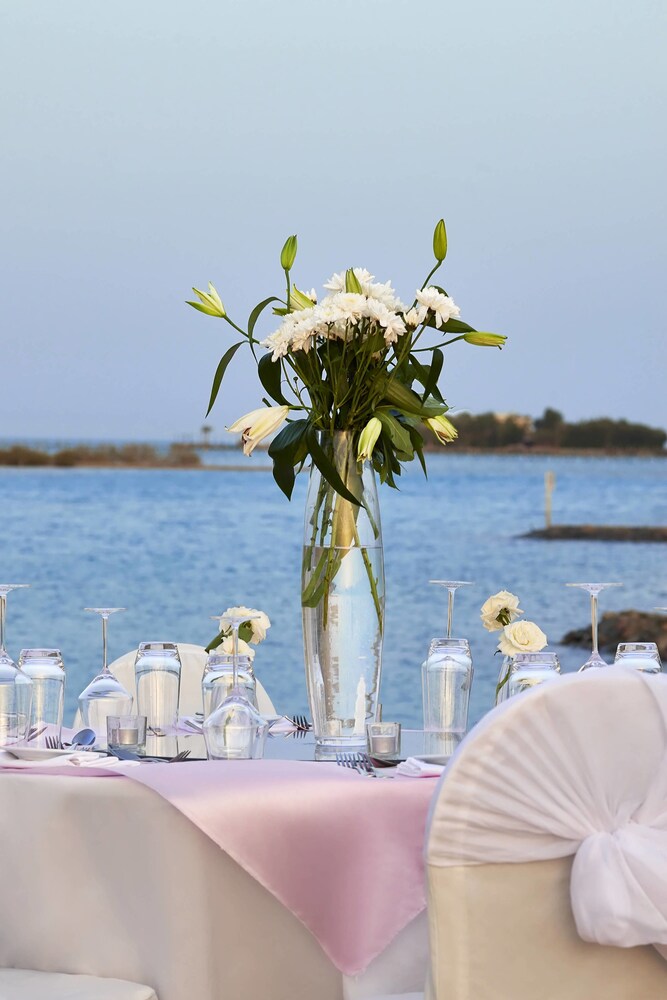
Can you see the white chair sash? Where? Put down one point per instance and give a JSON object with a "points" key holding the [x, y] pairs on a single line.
{"points": [[577, 766]]}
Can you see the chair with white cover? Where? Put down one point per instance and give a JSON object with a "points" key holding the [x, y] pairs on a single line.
{"points": [[193, 661], [24, 984], [546, 849]]}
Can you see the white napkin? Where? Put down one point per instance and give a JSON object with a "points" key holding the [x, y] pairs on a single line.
{"points": [[281, 725], [417, 767], [88, 758]]}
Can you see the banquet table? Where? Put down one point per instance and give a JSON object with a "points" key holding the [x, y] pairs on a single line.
{"points": [[102, 875]]}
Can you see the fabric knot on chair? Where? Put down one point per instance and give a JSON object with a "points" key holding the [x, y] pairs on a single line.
{"points": [[618, 887]]}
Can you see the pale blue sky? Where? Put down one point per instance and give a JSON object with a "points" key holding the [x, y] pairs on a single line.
{"points": [[148, 146]]}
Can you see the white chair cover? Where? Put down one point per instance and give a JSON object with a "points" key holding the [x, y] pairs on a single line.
{"points": [[24, 984], [193, 660], [575, 767]]}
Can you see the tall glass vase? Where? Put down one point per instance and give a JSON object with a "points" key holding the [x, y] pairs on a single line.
{"points": [[342, 597]]}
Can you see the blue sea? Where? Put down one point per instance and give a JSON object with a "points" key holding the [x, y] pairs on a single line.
{"points": [[175, 546]]}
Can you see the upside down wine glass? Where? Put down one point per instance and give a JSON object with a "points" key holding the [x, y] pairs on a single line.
{"points": [[594, 589], [235, 730], [105, 695], [218, 677], [15, 686]]}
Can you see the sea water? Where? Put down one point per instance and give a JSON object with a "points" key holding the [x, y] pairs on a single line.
{"points": [[175, 546]]}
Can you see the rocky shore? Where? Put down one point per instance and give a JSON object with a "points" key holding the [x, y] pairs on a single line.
{"points": [[623, 626], [600, 533]]}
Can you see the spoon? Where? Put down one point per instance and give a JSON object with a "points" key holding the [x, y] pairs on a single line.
{"points": [[84, 738]]}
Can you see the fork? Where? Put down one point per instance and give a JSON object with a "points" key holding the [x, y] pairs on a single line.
{"points": [[359, 762], [53, 743], [300, 722]]}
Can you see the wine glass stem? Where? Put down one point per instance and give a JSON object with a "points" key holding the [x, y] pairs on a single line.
{"points": [[450, 612], [3, 612], [235, 655], [104, 644], [594, 623]]}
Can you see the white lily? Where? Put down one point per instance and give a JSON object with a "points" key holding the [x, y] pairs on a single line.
{"points": [[444, 429], [258, 424], [368, 440]]}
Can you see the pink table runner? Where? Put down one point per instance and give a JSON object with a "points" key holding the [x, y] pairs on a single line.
{"points": [[340, 850]]}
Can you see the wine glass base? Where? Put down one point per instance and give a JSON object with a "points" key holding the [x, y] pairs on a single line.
{"points": [[593, 663]]}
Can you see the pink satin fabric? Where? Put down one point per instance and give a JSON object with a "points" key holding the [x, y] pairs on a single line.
{"points": [[342, 851]]}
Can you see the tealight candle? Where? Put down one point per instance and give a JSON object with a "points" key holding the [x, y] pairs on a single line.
{"points": [[384, 738], [126, 731]]}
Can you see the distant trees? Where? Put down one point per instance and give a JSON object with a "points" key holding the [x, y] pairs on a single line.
{"points": [[490, 431]]}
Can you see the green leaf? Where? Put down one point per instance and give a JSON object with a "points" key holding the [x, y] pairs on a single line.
{"points": [[327, 468], [400, 437], [270, 375], [431, 385], [418, 445], [219, 373], [457, 326], [402, 398], [283, 473], [257, 312], [288, 449]]}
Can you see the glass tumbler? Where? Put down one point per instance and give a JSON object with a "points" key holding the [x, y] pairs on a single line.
{"points": [[218, 680], [642, 656], [157, 670], [46, 670], [531, 669], [447, 676], [127, 732]]}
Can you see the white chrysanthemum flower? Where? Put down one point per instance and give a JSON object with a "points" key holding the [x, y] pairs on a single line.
{"points": [[385, 293], [312, 295], [443, 307], [413, 317]]}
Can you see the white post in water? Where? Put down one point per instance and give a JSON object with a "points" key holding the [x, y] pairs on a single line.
{"points": [[549, 483]]}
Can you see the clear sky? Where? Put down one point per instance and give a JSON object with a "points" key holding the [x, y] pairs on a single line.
{"points": [[148, 145]]}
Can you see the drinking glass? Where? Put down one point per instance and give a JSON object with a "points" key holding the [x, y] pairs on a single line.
{"points": [[384, 738], [15, 687], [105, 695], [46, 670], [235, 730], [218, 680], [447, 676], [157, 669], [531, 669], [643, 656], [594, 589], [451, 586]]}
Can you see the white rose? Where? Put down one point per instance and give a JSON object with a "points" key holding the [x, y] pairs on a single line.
{"points": [[258, 625], [226, 647], [521, 637], [502, 605]]}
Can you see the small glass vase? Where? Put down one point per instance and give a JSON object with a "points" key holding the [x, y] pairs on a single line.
{"points": [[502, 684], [342, 597], [531, 669], [218, 680]]}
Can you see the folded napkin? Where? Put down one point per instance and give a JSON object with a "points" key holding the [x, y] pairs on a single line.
{"points": [[88, 758], [418, 767]]}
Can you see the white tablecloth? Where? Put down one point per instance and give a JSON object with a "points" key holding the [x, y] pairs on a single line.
{"points": [[104, 877]]}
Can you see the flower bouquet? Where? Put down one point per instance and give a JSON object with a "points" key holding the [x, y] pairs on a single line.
{"points": [[351, 386]]}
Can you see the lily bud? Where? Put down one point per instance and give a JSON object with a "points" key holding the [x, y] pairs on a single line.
{"points": [[485, 339], [288, 253], [444, 429], [258, 424], [440, 241], [352, 283], [209, 302], [299, 300], [368, 440]]}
